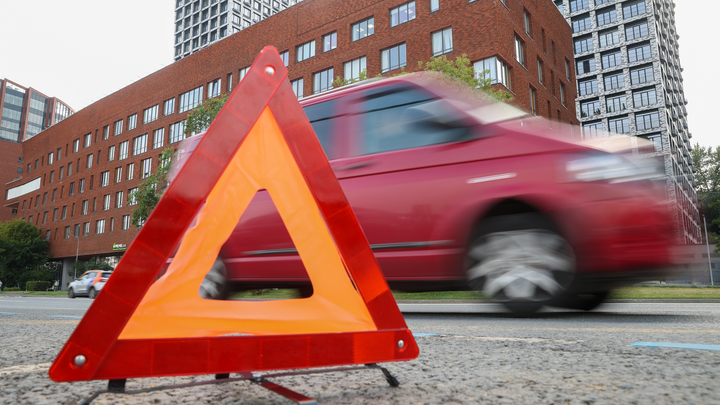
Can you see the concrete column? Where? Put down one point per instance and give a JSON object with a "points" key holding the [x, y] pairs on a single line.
{"points": [[66, 270]]}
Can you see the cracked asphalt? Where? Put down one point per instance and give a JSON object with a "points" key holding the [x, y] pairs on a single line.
{"points": [[483, 355]]}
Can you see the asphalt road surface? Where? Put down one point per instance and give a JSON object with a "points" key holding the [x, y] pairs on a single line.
{"points": [[469, 354]]}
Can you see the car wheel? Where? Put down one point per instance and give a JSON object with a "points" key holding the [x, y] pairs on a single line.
{"points": [[71, 293], [92, 294], [521, 261], [215, 286], [583, 302]]}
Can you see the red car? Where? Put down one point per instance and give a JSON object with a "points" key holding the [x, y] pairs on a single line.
{"points": [[454, 191]]}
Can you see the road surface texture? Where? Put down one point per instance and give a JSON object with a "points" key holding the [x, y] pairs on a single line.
{"points": [[480, 355]]}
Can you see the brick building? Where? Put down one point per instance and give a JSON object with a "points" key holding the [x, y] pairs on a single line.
{"points": [[100, 154], [24, 112]]}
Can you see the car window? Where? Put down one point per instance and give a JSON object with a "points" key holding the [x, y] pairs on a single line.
{"points": [[405, 117], [106, 274], [322, 117]]}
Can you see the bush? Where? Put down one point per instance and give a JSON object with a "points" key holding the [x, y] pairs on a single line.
{"points": [[37, 285], [12, 289]]}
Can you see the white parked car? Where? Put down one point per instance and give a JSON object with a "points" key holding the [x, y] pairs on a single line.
{"points": [[89, 284]]}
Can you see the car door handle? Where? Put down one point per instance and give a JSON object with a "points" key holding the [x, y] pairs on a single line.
{"points": [[354, 166]]}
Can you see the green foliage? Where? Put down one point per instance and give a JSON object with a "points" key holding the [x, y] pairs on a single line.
{"points": [[339, 81], [37, 285], [82, 266], [707, 175], [150, 190], [22, 249], [200, 118], [463, 71]]}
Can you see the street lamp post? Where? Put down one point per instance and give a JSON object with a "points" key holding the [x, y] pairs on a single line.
{"points": [[76, 254], [707, 245]]}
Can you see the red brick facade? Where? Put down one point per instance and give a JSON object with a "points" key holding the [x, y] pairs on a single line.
{"points": [[480, 29]]}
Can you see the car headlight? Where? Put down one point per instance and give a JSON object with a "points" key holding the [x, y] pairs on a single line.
{"points": [[612, 168]]}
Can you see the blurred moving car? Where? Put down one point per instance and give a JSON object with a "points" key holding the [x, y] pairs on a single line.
{"points": [[89, 284], [455, 191]]}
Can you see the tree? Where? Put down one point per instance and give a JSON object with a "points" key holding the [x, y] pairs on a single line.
{"points": [[150, 191], [707, 176], [22, 249], [463, 71], [200, 118]]}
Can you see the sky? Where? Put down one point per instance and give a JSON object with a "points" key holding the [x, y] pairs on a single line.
{"points": [[83, 50]]}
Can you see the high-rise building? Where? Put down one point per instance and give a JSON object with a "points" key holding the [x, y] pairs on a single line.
{"points": [[199, 23], [24, 112], [629, 81]]}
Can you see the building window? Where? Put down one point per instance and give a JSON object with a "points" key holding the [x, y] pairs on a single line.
{"points": [[562, 93], [641, 75], [635, 31], [50, 158], [584, 44], [434, 5], [605, 17], [586, 87], [150, 114], [67, 232], [125, 222], [111, 153], [242, 73], [609, 38], [591, 129], [100, 226], [615, 103], [285, 56], [540, 71], [123, 150], [81, 186], [158, 138], [638, 53], [71, 191], [614, 81], [590, 108], [140, 144], [363, 28], [177, 132], [442, 42], [645, 97], [329, 41], [132, 198], [87, 143], [577, 5], [69, 172], [493, 69], [519, 51], [402, 14], [611, 59], [322, 81], [64, 212], [581, 23], [354, 68], [169, 106], [656, 139], [305, 51], [130, 171], [118, 127], [619, 125], [132, 122], [119, 199], [647, 121], [533, 101], [86, 229], [146, 165], [393, 58], [632, 9], [585, 65], [106, 132], [214, 88], [526, 18], [84, 209], [106, 202], [190, 99], [105, 178], [297, 86], [89, 161], [118, 174]]}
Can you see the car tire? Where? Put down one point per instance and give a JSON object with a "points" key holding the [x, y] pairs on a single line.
{"points": [[521, 261], [71, 293], [582, 302], [92, 294], [215, 285]]}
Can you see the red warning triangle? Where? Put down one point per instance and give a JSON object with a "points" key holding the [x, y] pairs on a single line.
{"points": [[139, 327]]}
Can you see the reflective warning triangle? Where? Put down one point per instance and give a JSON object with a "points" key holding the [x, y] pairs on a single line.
{"points": [[140, 327]]}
